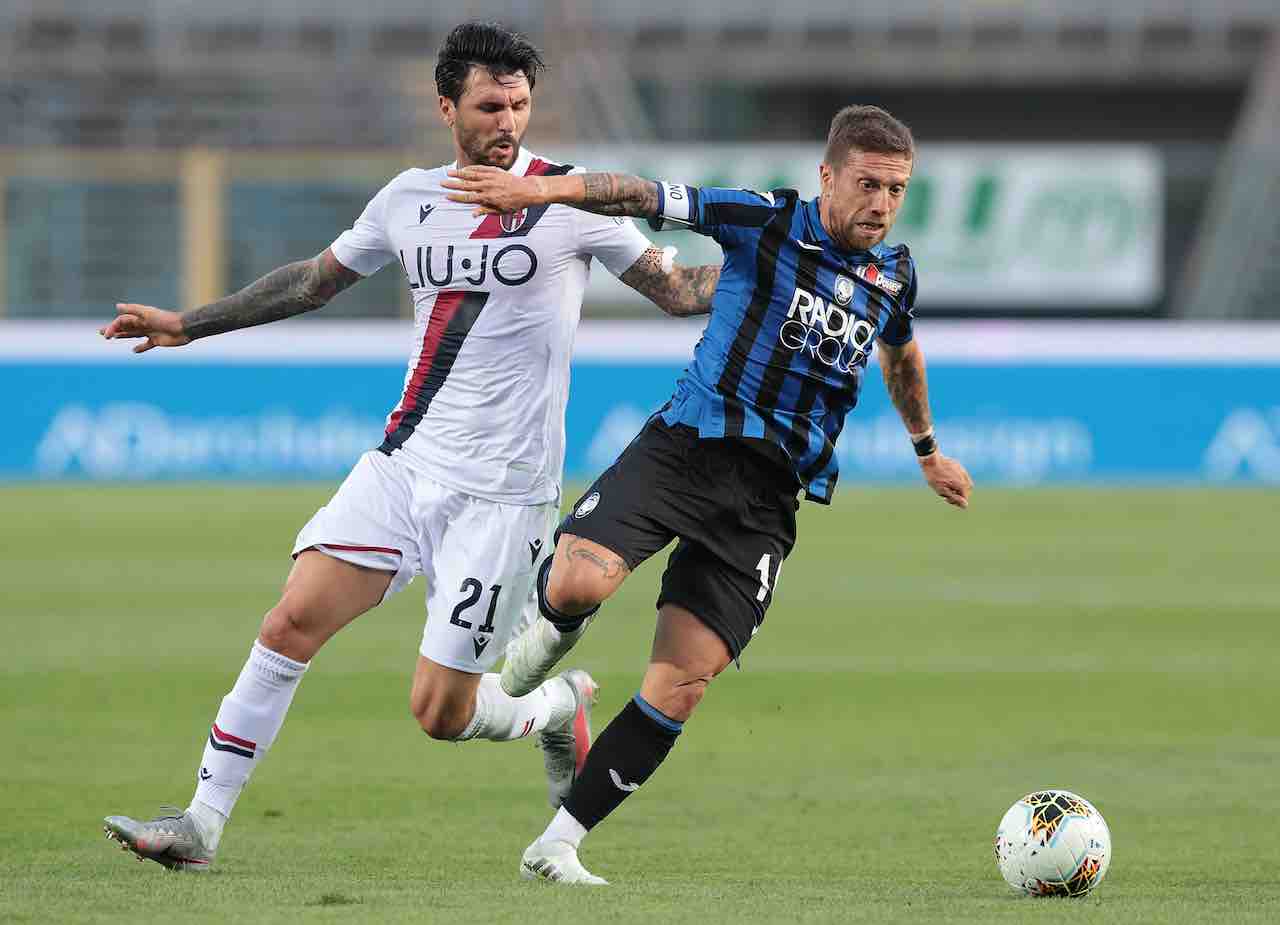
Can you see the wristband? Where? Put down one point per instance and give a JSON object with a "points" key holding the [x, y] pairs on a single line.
{"points": [[925, 444]]}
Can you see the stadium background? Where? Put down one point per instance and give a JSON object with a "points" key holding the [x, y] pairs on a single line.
{"points": [[1096, 212]]}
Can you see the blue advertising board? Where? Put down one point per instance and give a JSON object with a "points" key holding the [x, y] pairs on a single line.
{"points": [[1009, 422]]}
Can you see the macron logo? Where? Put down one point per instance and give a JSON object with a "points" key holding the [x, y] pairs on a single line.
{"points": [[617, 782], [423, 212]]}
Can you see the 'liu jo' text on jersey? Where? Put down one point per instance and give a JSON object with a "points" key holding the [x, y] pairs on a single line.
{"points": [[496, 302]]}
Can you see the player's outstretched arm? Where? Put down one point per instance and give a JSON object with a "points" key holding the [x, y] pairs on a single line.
{"points": [[678, 291], [904, 376], [492, 189], [290, 290]]}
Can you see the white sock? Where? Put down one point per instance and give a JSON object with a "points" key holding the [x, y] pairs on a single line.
{"points": [[500, 717], [247, 723], [564, 828]]}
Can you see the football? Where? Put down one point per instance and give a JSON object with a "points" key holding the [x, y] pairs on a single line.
{"points": [[1053, 843]]}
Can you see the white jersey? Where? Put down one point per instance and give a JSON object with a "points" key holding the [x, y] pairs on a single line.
{"points": [[496, 303]]}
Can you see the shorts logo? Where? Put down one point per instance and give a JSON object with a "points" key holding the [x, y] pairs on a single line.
{"points": [[511, 221], [844, 290], [588, 505]]}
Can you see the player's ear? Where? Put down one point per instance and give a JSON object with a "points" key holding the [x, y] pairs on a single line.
{"points": [[448, 111], [825, 176]]}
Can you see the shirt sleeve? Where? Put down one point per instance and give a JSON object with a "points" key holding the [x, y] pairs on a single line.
{"points": [[365, 247], [897, 330], [728, 215], [615, 242]]}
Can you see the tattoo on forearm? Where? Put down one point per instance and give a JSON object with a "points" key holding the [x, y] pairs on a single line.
{"points": [[284, 292], [683, 292], [619, 194], [611, 568], [904, 377]]}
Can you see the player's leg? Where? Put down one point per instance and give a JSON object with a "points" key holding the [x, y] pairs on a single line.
{"points": [[687, 654], [622, 519], [347, 561], [572, 584], [716, 589], [479, 560]]}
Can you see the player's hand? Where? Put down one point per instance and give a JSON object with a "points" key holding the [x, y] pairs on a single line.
{"points": [[160, 328], [492, 190], [948, 478]]}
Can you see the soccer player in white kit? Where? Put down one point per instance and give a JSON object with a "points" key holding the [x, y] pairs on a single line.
{"points": [[465, 486]]}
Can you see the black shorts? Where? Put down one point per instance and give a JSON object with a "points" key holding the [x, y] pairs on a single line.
{"points": [[732, 504]]}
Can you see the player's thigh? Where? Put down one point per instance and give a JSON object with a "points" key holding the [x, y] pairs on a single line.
{"points": [[479, 558], [321, 596], [633, 510], [584, 573], [687, 654]]}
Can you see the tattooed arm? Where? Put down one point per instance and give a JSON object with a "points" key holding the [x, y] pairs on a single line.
{"points": [[290, 290], [493, 190], [904, 376], [681, 292]]}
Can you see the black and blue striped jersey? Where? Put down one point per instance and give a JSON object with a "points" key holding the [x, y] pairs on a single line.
{"points": [[793, 321]]}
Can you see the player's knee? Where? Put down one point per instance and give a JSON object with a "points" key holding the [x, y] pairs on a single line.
{"points": [[682, 697], [284, 630], [574, 590], [439, 719]]}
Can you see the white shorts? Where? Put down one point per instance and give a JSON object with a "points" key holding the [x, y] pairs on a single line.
{"points": [[479, 557]]}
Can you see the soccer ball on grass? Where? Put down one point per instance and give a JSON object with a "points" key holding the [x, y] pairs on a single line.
{"points": [[1053, 843]]}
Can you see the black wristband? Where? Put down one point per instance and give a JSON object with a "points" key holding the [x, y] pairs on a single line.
{"points": [[926, 445]]}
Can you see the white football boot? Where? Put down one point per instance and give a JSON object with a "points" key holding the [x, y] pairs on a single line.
{"points": [[558, 862], [564, 749], [535, 652]]}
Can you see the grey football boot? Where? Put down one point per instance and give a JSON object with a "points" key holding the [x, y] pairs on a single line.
{"points": [[173, 841], [564, 749]]}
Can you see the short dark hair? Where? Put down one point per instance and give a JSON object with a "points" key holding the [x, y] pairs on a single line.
{"points": [[867, 128], [490, 45]]}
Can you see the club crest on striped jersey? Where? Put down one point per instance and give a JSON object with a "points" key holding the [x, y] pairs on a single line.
{"points": [[511, 221], [871, 273], [843, 289]]}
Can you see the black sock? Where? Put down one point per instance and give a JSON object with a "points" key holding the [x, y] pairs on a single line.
{"points": [[626, 754], [564, 622]]}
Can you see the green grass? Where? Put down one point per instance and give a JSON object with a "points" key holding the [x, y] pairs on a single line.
{"points": [[920, 669]]}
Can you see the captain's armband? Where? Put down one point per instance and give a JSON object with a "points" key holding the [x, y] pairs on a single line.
{"points": [[677, 206]]}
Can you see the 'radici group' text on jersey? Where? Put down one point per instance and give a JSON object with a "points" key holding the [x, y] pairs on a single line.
{"points": [[496, 303], [793, 321]]}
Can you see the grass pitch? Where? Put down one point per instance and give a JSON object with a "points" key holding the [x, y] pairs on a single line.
{"points": [[920, 669]]}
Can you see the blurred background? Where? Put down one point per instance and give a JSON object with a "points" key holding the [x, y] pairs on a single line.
{"points": [[1096, 199]]}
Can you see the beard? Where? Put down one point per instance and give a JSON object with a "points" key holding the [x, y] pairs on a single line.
{"points": [[482, 151]]}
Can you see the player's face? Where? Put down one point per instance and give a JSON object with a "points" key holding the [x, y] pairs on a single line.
{"points": [[861, 197], [490, 118]]}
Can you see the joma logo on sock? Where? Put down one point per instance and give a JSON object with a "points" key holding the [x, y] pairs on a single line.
{"points": [[617, 782]]}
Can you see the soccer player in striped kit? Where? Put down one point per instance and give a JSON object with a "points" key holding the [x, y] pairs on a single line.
{"points": [[806, 291], [465, 486]]}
